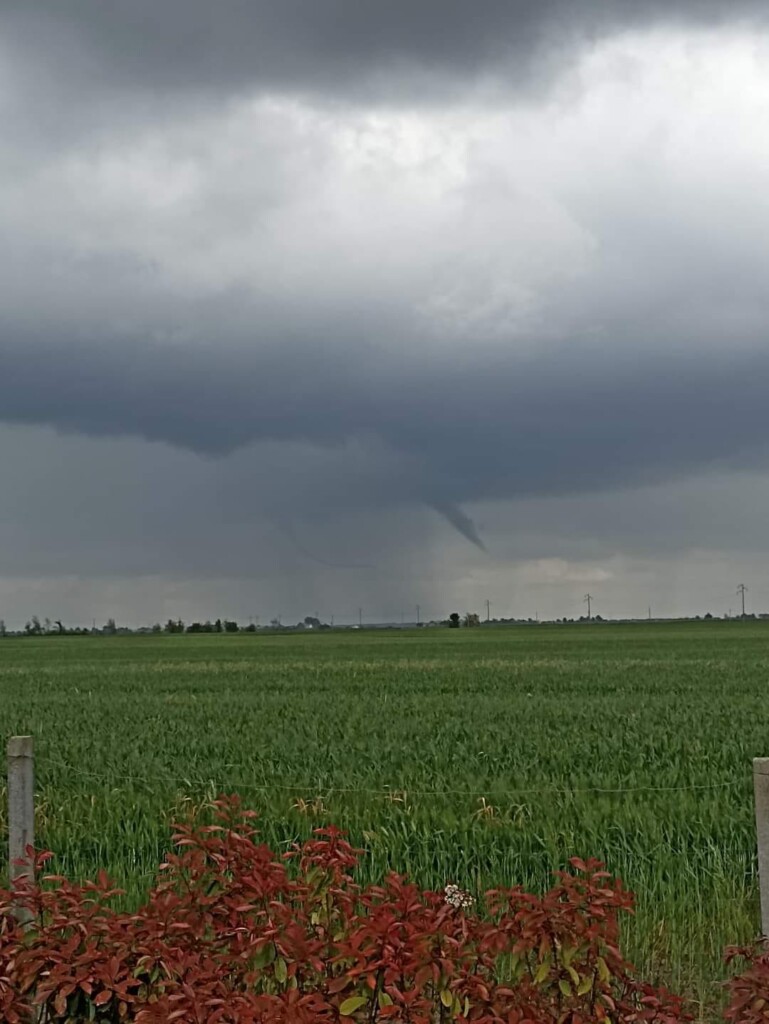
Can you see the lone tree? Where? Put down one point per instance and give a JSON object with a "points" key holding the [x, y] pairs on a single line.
{"points": [[454, 620], [472, 619]]}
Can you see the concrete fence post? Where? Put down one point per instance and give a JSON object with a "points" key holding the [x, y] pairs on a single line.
{"points": [[761, 792], [21, 810]]}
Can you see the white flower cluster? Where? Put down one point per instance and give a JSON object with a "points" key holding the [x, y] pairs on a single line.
{"points": [[458, 898]]}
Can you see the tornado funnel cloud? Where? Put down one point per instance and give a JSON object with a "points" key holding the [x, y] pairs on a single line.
{"points": [[460, 520]]}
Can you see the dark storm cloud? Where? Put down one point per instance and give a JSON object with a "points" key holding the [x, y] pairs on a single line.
{"points": [[234, 276], [508, 426], [391, 50]]}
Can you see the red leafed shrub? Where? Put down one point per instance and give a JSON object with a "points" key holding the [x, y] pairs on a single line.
{"points": [[231, 933], [749, 991]]}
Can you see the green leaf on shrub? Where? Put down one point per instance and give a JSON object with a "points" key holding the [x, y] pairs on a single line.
{"points": [[564, 986], [281, 970], [265, 955], [541, 973], [585, 985], [603, 971], [349, 1006], [446, 997], [384, 1000]]}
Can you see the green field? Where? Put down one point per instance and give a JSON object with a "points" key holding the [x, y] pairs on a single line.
{"points": [[630, 743]]}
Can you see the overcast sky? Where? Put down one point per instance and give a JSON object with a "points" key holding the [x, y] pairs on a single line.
{"points": [[317, 305]]}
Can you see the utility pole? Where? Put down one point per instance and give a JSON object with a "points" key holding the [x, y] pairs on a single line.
{"points": [[650, 613], [418, 618], [741, 590], [360, 618], [488, 610], [588, 598]]}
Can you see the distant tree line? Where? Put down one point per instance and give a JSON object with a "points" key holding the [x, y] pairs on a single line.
{"points": [[220, 626], [470, 620], [47, 627], [34, 627]]}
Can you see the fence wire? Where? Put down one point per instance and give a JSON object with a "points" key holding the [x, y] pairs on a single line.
{"points": [[388, 791]]}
